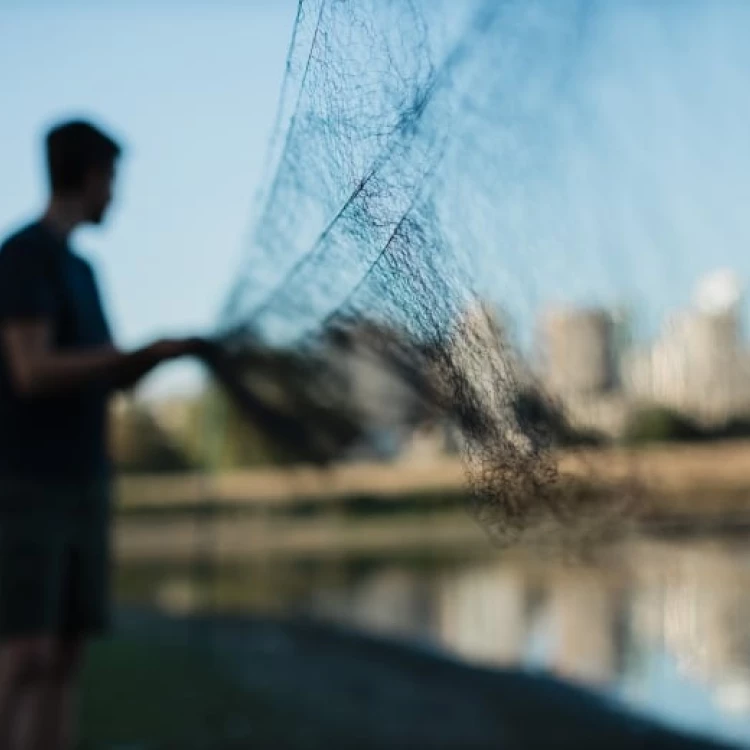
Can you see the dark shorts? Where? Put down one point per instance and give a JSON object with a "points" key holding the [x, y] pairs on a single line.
{"points": [[54, 558]]}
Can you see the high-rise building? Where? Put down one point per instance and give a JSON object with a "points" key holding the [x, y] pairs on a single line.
{"points": [[698, 363], [578, 351]]}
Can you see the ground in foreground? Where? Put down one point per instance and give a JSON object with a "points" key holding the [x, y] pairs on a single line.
{"points": [[241, 683]]}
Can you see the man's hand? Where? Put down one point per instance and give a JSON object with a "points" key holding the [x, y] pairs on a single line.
{"points": [[142, 361], [164, 350]]}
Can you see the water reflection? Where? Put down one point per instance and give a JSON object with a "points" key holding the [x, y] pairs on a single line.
{"points": [[661, 624], [694, 603]]}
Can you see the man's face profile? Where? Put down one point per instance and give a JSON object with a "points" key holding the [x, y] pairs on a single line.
{"points": [[98, 192]]}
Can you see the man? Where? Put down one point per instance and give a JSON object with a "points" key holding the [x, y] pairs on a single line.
{"points": [[58, 367]]}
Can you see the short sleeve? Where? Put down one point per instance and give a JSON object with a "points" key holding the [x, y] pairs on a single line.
{"points": [[25, 287]]}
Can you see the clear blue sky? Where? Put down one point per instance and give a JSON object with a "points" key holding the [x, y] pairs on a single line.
{"points": [[191, 88]]}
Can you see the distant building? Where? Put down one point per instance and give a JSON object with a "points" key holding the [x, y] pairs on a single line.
{"points": [[578, 352], [579, 365], [698, 364]]}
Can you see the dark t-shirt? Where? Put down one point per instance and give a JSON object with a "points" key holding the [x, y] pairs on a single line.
{"points": [[52, 437]]}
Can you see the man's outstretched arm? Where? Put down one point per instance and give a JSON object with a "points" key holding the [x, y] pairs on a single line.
{"points": [[36, 369]]}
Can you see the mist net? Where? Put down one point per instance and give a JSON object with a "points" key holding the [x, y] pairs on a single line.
{"points": [[437, 171]]}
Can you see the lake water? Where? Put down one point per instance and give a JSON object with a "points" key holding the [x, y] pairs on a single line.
{"points": [[662, 624]]}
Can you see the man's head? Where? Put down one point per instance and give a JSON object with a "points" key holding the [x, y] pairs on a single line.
{"points": [[81, 162]]}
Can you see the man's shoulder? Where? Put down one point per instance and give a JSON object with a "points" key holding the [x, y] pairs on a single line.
{"points": [[79, 264], [27, 239]]}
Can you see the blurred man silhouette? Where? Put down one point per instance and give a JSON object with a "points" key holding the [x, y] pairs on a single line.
{"points": [[58, 367]]}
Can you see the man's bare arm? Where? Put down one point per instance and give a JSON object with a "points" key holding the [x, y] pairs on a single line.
{"points": [[37, 369]]}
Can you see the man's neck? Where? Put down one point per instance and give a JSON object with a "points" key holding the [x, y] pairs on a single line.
{"points": [[62, 216]]}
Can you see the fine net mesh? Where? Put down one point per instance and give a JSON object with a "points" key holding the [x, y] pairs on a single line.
{"points": [[433, 164]]}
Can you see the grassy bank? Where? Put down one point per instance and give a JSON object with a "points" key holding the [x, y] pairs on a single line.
{"points": [[142, 693], [296, 685]]}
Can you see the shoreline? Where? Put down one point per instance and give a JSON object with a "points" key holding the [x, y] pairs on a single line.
{"points": [[719, 468], [674, 490], [298, 683]]}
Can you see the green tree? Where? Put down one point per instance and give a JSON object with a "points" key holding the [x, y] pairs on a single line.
{"points": [[139, 444]]}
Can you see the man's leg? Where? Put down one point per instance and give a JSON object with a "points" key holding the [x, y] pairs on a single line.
{"points": [[38, 679], [31, 568], [60, 700], [24, 669]]}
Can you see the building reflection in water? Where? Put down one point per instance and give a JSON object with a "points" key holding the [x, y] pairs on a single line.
{"points": [[586, 623], [694, 602], [594, 623], [483, 613]]}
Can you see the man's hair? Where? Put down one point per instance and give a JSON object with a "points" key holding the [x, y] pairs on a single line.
{"points": [[75, 148]]}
